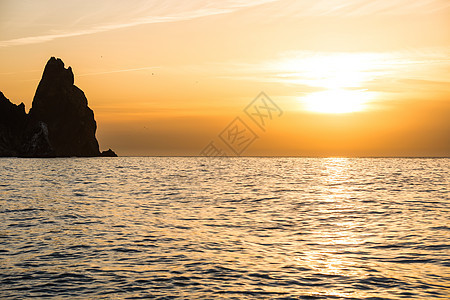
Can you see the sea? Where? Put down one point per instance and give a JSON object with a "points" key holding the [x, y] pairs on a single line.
{"points": [[224, 228]]}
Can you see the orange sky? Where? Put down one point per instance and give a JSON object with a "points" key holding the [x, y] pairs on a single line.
{"points": [[353, 78]]}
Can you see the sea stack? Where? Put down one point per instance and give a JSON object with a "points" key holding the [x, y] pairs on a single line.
{"points": [[59, 124]]}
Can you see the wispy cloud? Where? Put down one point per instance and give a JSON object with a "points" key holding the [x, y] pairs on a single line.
{"points": [[149, 12], [354, 8], [103, 28], [352, 70], [119, 71], [42, 21]]}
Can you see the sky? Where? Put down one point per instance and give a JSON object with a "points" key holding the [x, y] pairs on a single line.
{"points": [[232, 77]]}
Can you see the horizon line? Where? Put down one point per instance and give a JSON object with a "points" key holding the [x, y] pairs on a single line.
{"points": [[284, 156]]}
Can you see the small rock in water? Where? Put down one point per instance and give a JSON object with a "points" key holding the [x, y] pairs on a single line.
{"points": [[108, 153]]}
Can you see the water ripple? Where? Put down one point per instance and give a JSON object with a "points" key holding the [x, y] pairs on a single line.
{"points": [[227, 228]]}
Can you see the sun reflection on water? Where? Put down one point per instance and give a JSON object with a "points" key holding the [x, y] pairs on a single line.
{"points": [[279, 227]]}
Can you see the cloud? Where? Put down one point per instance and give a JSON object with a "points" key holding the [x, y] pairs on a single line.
{"points": [[377, 71], [25, 22], [355, 8], [101, 16], [119, 71]]}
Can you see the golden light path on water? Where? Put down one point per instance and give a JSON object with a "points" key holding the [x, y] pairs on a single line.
{"points": [[225, 228]]}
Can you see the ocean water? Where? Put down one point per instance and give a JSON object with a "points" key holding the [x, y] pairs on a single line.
{"points": [[224, 228]]}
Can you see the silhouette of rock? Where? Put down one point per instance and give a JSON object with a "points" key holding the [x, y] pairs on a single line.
{"points": [[12, 123], [59, 123], [63, 108], [108, 153]]}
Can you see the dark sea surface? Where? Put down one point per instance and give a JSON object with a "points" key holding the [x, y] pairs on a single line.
{"points": [[224, 228]]}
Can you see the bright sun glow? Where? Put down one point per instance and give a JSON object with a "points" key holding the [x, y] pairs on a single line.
{"points": [[337, 101], [341, 76]]}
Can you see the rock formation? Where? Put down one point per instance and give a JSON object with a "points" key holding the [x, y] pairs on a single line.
{"points": [[59, 124], [108, 153], [12, 124]]}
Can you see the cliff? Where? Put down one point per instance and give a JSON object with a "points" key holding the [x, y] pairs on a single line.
{"points": [[12, 123], [59, 124]]}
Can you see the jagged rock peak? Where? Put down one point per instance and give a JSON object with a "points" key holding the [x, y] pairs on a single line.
{"points": [[59, 124], [64, 109], [55, 71], [6, 103]]}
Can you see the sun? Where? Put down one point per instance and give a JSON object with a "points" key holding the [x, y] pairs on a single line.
{"points": [[337, 101], [341, 78]]}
